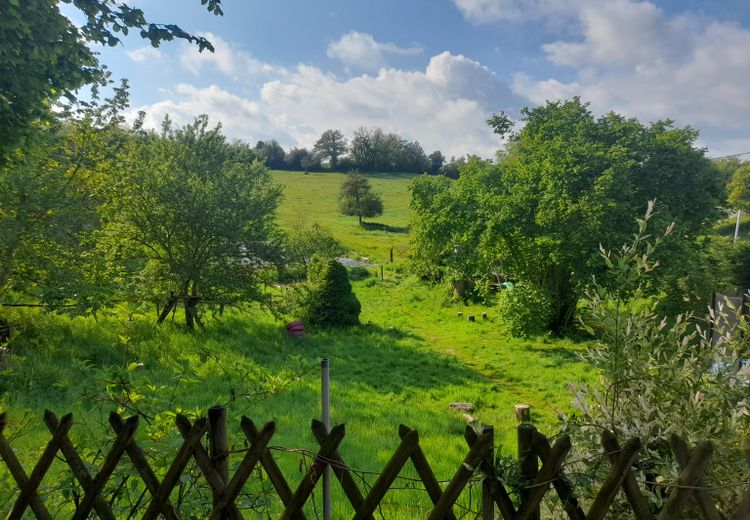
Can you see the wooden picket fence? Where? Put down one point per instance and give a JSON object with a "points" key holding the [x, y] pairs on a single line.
{"points": [[541, 465]]}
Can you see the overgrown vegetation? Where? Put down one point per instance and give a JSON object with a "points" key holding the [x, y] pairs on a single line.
{"points": [[663, 375], [105, 229]]}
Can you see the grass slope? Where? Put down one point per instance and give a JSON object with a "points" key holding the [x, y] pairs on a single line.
{"points": [[411, 357], [313, 198]]}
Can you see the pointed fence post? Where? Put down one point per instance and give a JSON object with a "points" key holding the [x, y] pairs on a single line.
{"points": [[488, 504], [325, 395], [528, 460], [218, 444]]}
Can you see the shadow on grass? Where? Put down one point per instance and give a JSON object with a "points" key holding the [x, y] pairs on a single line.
{"points": [[560, 355], [368, 355], [60, 359], [377, 226]]}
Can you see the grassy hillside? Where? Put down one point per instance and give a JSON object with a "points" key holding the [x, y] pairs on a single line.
{"points": [[409, 360], [313, 198]]}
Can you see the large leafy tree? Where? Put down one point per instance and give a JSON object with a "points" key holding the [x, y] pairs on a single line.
{"points": [[50, 191], [372, 149], [45, 59], [271, 153], [301, 159], [357, 198], [448, 224], [191, 215], [571, 182], [437, 160], [738, 189], [331, 145]]}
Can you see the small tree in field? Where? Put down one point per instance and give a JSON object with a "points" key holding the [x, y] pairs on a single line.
{"points": [[356, 197]]}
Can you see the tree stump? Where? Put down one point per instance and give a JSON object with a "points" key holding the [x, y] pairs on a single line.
{"points": [[523, 413]]}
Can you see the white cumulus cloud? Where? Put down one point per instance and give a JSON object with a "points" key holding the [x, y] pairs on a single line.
{"points": [[144, 54], [226, 58], [443, 106], [633, 58], [491, 11], [361, 50]]}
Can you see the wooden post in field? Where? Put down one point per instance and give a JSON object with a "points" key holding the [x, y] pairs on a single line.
{"points": [[391, 254], [382, 274], [218, 443], [528, 460], [523, 413]]}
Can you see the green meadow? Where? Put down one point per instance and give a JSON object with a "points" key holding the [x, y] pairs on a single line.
{"points": [[313, 198], [412, 356]]}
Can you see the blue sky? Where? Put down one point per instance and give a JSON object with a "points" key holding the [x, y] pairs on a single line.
{"points": [[434, 70]]}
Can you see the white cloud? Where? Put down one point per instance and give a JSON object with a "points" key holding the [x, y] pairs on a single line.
{"points": [[635, 59], [241, 118], [363, 51], [226, 58], [144, 54], [444, 107], [626, 56], [491, 11]]}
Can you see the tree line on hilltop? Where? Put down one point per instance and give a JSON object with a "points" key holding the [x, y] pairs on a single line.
{"points": [[369, 150]]}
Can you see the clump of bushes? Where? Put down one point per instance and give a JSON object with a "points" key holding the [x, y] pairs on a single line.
{"points": [[327, 299], [526, 309], [662, 375], [358, 273]]}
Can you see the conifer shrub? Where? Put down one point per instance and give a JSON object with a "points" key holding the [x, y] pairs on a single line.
{"points": [[327, 300]]}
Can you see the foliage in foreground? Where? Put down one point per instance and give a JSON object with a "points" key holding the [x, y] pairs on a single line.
{"points": [[663, 376], [46, 59]]}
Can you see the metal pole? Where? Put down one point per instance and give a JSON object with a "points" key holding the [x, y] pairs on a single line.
{"points": [[737, 226], [326, 408]]}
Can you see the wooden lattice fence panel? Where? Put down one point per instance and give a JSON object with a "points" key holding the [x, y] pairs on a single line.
{"points": [[541, 463]]}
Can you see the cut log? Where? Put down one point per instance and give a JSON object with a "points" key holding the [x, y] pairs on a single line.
{"points": [[465, 407]]}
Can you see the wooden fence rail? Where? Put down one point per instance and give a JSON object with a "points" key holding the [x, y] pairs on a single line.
{"points": [[541, 465]]}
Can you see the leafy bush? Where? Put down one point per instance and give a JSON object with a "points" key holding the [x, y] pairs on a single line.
{"points": [[358, 273], [327, 299], [663, 376], [526, 309], [305, 241], [740, 258]]}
